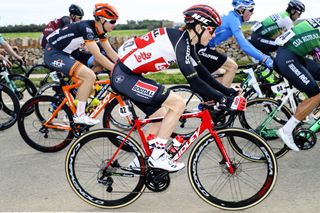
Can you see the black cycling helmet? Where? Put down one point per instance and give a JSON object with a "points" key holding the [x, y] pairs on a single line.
{"points": [[296, 5], [203, 14], [76, 10]]}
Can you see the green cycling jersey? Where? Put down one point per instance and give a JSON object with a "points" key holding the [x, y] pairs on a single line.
{"points": [[303, 38], [274, 25]]}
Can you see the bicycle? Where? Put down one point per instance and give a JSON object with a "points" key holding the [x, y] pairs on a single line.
{"points": [[9, 107], [46, 122], [19, 84], [272, 114], [231, 169]]}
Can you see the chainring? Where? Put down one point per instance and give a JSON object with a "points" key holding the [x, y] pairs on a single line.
{"points": [[305, 139], [157, 180]]}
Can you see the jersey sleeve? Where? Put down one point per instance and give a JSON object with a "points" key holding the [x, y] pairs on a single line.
{"points": [[285, 23], [187, 65], [244, 44]]}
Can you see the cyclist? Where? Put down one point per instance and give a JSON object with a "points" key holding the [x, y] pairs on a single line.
{"points": [[300, 71], [75, 14], [264, 33], [62, 42], [231, 26], [8, 49], [155, 51]]}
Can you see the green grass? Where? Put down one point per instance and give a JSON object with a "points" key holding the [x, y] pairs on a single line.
{"points": [[36, 35]]}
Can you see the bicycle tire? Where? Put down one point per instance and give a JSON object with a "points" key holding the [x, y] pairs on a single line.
{"points": [[112, 118], [86, 159], [22, 84], [252, 181], [39, 69], [258, 109], [30, 124], [9, 107]]}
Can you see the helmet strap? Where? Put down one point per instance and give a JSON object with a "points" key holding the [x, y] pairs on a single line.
{"points": [[197, 34]]}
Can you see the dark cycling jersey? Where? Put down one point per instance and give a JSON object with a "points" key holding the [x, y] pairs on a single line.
{"points": [[65, 42], [297, 43], [73, 36], [52, 26], [158, 49]]}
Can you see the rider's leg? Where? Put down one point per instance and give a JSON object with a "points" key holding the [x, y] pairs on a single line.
{"points": [[175, 105], [230, 67]]}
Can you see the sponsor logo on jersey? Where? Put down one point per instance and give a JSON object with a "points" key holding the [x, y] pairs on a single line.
{"points": [[58, 63], [161, 66], [119, 79], [202, 52], [144, 90], [89, 30], [187, 58], [314, 22], [142, 56], [275, 17]]}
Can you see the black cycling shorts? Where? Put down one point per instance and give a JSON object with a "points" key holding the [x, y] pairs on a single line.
{"points": [[300, 72], [210, 58], [147, 94]]}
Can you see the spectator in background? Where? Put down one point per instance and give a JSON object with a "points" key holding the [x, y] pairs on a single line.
{"points": [[9, 50], [76, 14]]}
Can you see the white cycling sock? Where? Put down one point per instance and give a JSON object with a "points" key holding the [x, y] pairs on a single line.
{"points": [[81, 108], [159, 148], [290, 125]]}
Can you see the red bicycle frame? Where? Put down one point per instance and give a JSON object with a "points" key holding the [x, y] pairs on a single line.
{"points": [[206, 123]]}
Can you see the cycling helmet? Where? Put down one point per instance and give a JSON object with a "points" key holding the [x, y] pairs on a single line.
{"points": [[203, 14], [243, 3], [296, 5], [76, 10], [106, 11]]}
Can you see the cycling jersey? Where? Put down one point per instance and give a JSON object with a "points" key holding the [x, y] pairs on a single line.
{"points": [[73, 36], [301, 72], [273, 25], [1, 39], [52, 26], [155, 51], [303, 38], [63, 43], [231, 26]]}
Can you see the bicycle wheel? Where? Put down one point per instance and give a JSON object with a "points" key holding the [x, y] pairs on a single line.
{"points": [[252, 181], [117, 186], [51, 137], [113, 119], [260, 109], [9, 107], [186, 127], [25, 89], [40, 69]]}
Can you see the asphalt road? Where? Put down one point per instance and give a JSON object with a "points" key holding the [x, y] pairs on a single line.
{"points": [[34, 181]]}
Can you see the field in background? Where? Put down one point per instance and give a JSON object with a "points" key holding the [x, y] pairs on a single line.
{"points": [[36, 35]]}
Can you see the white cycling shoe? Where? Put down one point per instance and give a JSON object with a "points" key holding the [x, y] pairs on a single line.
{"points": [[287, 139], [84, 119], [164, 162]]}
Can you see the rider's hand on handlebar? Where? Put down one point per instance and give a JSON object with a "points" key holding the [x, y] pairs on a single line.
{"points": [[268, 62], [238, 103]]}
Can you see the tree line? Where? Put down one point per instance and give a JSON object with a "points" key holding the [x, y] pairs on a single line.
{"points": [[131, 24]]}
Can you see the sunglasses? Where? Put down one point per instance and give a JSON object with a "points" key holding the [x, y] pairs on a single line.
{"points": [[250, 9], [78, 17], [210, 29]]}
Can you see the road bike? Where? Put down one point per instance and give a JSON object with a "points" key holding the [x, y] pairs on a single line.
{"points": [[9, 107], [22, 87], [46, 122], [231, 169]]}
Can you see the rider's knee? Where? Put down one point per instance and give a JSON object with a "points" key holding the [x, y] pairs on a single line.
{"points": [[175, 103]]}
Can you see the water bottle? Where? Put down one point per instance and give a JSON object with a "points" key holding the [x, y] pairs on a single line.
{"points": [[95, 102], [175, 145]]}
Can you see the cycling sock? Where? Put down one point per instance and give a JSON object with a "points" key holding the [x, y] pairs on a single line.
{"points": [[290, 125], [159, 149], [81, 108]]}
